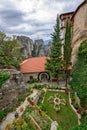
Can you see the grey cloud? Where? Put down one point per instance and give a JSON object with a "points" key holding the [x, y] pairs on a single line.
{"points": [[11, 17]]}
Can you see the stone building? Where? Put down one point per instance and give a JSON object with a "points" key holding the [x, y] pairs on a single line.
{"points": [[78, 20], [34, 68], [64, 18]]}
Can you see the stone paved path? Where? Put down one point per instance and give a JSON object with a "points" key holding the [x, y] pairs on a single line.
{"points": [[10, 117]]}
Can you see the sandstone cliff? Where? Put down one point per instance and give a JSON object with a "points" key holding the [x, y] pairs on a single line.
{"points": [[30, 48], [26, 45]]}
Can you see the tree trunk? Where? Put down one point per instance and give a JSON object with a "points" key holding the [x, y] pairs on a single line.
{"points": [[66, 79], [58, 80], [51, 82]]}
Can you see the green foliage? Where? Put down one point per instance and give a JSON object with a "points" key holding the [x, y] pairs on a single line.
{"points": [[83, 50], [80, 127], [84, 118], [3, 77], [41, 97], [30, 90], [66, 118], [53, 64], [28, 98], [36, 53], [79, 74], [67, 45], [31, 81], [67, 49], [21, 99], [3, 37], [2, 114], [28, 110], [20, 124], [9, 52], [43, 107], [43, 121], [76, 106], [37, 86], [59, 128]]}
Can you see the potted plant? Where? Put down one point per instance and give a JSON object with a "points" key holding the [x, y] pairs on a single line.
{"points": [[78, 111], [16, 114], [21, 109], [76, 106], [28, 99]]}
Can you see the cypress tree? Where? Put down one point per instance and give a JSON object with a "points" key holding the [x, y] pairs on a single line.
{"points": [[53, 64], [67, 49]]}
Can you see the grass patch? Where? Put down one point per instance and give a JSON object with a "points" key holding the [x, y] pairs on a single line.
{"points": [[66, 117]]}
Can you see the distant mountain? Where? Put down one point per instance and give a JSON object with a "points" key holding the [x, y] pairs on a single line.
{"points": [[30, 48]]}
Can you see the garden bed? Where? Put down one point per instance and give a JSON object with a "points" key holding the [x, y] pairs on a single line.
{"points": [[66, 117]]}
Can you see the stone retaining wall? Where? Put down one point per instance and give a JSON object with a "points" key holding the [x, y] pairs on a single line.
{"points": [[12, 89]]}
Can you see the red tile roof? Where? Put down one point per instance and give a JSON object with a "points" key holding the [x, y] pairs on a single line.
{"points": [[31, 65]]}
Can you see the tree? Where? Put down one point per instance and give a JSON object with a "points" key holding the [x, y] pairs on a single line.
{"points": [[9, 52], [67, 49], [3, 77], [79, 74], [53, 64]]}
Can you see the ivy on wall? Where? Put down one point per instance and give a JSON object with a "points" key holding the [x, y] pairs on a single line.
{"points": [[3, 77]]}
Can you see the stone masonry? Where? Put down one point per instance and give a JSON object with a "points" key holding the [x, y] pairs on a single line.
{"points": [[12, 89]]}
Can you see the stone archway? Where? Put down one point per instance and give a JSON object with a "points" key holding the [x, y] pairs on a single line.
{"points": [[43, 76]]}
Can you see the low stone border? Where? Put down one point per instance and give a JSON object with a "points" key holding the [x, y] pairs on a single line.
{"points": [[55, 90], [54, 125], [79, 116], [35, 122]]}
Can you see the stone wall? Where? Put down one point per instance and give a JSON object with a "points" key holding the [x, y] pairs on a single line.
{"points": [[28, 75], [12, 89], [79, 32]]}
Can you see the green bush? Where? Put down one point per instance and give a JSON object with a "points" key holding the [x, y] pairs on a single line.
{"points": [[43, 107], [31, 81], [3, 113], [21, 99], [28, 98], [80, 127], [41, 97], [37, 86], [76, 106], [3, 77], [30, 89], [79, 74], [84, 118]]}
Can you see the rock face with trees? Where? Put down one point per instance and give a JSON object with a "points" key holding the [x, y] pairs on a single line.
{"points": [[11, 80], [30, 48], [9, 52]]}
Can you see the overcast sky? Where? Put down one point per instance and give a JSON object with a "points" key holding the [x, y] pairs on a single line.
{"points": [[34, 18]]}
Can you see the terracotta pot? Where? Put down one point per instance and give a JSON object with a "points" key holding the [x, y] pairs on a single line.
{"points": [[72, 102], [31, 102], [78, 111]]}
